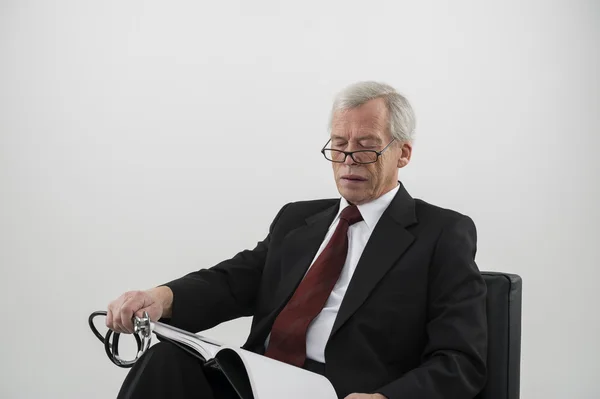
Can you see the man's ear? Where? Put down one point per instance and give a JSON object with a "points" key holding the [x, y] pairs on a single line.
{"points": [[406, 152]]}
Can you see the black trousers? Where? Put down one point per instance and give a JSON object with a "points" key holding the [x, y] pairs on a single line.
{"points": [[167, 371]]}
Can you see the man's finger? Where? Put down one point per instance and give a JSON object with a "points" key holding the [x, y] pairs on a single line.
{"points": [[115, 321], [118, 326], [129, 307], [109, 319]]}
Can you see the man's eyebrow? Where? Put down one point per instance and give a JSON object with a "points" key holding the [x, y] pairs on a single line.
{"points": [[360, 138], [337, 137]]}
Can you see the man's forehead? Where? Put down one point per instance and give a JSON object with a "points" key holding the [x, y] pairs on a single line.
{"points": [[358, 129], [355, 119], [344, 122]]}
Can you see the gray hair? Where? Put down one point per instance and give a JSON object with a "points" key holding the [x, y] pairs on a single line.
{"points": [[401, 115]]}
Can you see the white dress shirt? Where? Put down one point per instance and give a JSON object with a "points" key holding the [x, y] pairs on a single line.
{"points": [[358, 236]]}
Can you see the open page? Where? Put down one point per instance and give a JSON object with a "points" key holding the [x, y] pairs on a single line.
{"points": [[206, 347], [271, 379]]}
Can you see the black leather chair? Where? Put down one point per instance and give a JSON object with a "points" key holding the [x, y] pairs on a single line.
{"points": [[504, 336]]}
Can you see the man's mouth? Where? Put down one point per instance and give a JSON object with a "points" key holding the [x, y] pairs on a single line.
{"points": [[353, 178]]}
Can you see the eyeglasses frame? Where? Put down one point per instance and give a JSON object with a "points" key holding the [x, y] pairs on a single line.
{"points": [[351, 153]]}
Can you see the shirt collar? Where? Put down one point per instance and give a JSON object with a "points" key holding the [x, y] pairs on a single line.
{"points": [[371, 211]]}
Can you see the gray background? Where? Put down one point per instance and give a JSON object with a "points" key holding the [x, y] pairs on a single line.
{"points": [[141, 140]]}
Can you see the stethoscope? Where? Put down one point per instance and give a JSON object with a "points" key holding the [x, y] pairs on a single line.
{"points": [[142, 329]]}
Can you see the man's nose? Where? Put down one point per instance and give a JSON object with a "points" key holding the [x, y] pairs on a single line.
{"points": [[349, 160]]}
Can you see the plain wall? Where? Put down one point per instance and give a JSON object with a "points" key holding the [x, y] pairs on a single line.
{"points": [[141, 140]]}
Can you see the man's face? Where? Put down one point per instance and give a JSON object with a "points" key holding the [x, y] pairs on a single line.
{"points": [[366, 128]]}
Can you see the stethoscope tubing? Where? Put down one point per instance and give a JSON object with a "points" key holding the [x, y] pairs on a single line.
{"points": [[112, 348]]}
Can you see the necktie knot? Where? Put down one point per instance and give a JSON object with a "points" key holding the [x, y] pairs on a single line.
{"points": [[351, 214]]}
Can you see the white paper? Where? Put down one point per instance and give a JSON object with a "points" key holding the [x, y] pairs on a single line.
{"points": [[271, 379]]}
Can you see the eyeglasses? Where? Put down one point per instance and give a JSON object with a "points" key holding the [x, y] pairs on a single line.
{"points": [[360, 156]]}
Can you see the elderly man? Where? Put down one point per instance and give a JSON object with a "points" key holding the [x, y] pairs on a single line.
{"points": [[377, 291]]}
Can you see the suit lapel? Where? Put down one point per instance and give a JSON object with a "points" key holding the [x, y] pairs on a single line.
{"points": [[298, 250], [387, 243]]}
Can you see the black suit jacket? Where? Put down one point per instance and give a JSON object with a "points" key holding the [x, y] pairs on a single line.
{"points": [[412, 323]]}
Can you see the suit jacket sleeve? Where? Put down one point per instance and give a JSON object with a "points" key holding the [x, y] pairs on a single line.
{"points": [[228, 290], [454, 359]]}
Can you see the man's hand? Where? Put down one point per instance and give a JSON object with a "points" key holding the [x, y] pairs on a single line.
{"points": [[365, 396], [157, 302]]}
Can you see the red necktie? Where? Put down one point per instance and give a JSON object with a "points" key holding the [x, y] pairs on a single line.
{"points": [[288, 335]]}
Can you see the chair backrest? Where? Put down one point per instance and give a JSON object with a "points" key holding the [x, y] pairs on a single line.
{"points": [[504, 336]]}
